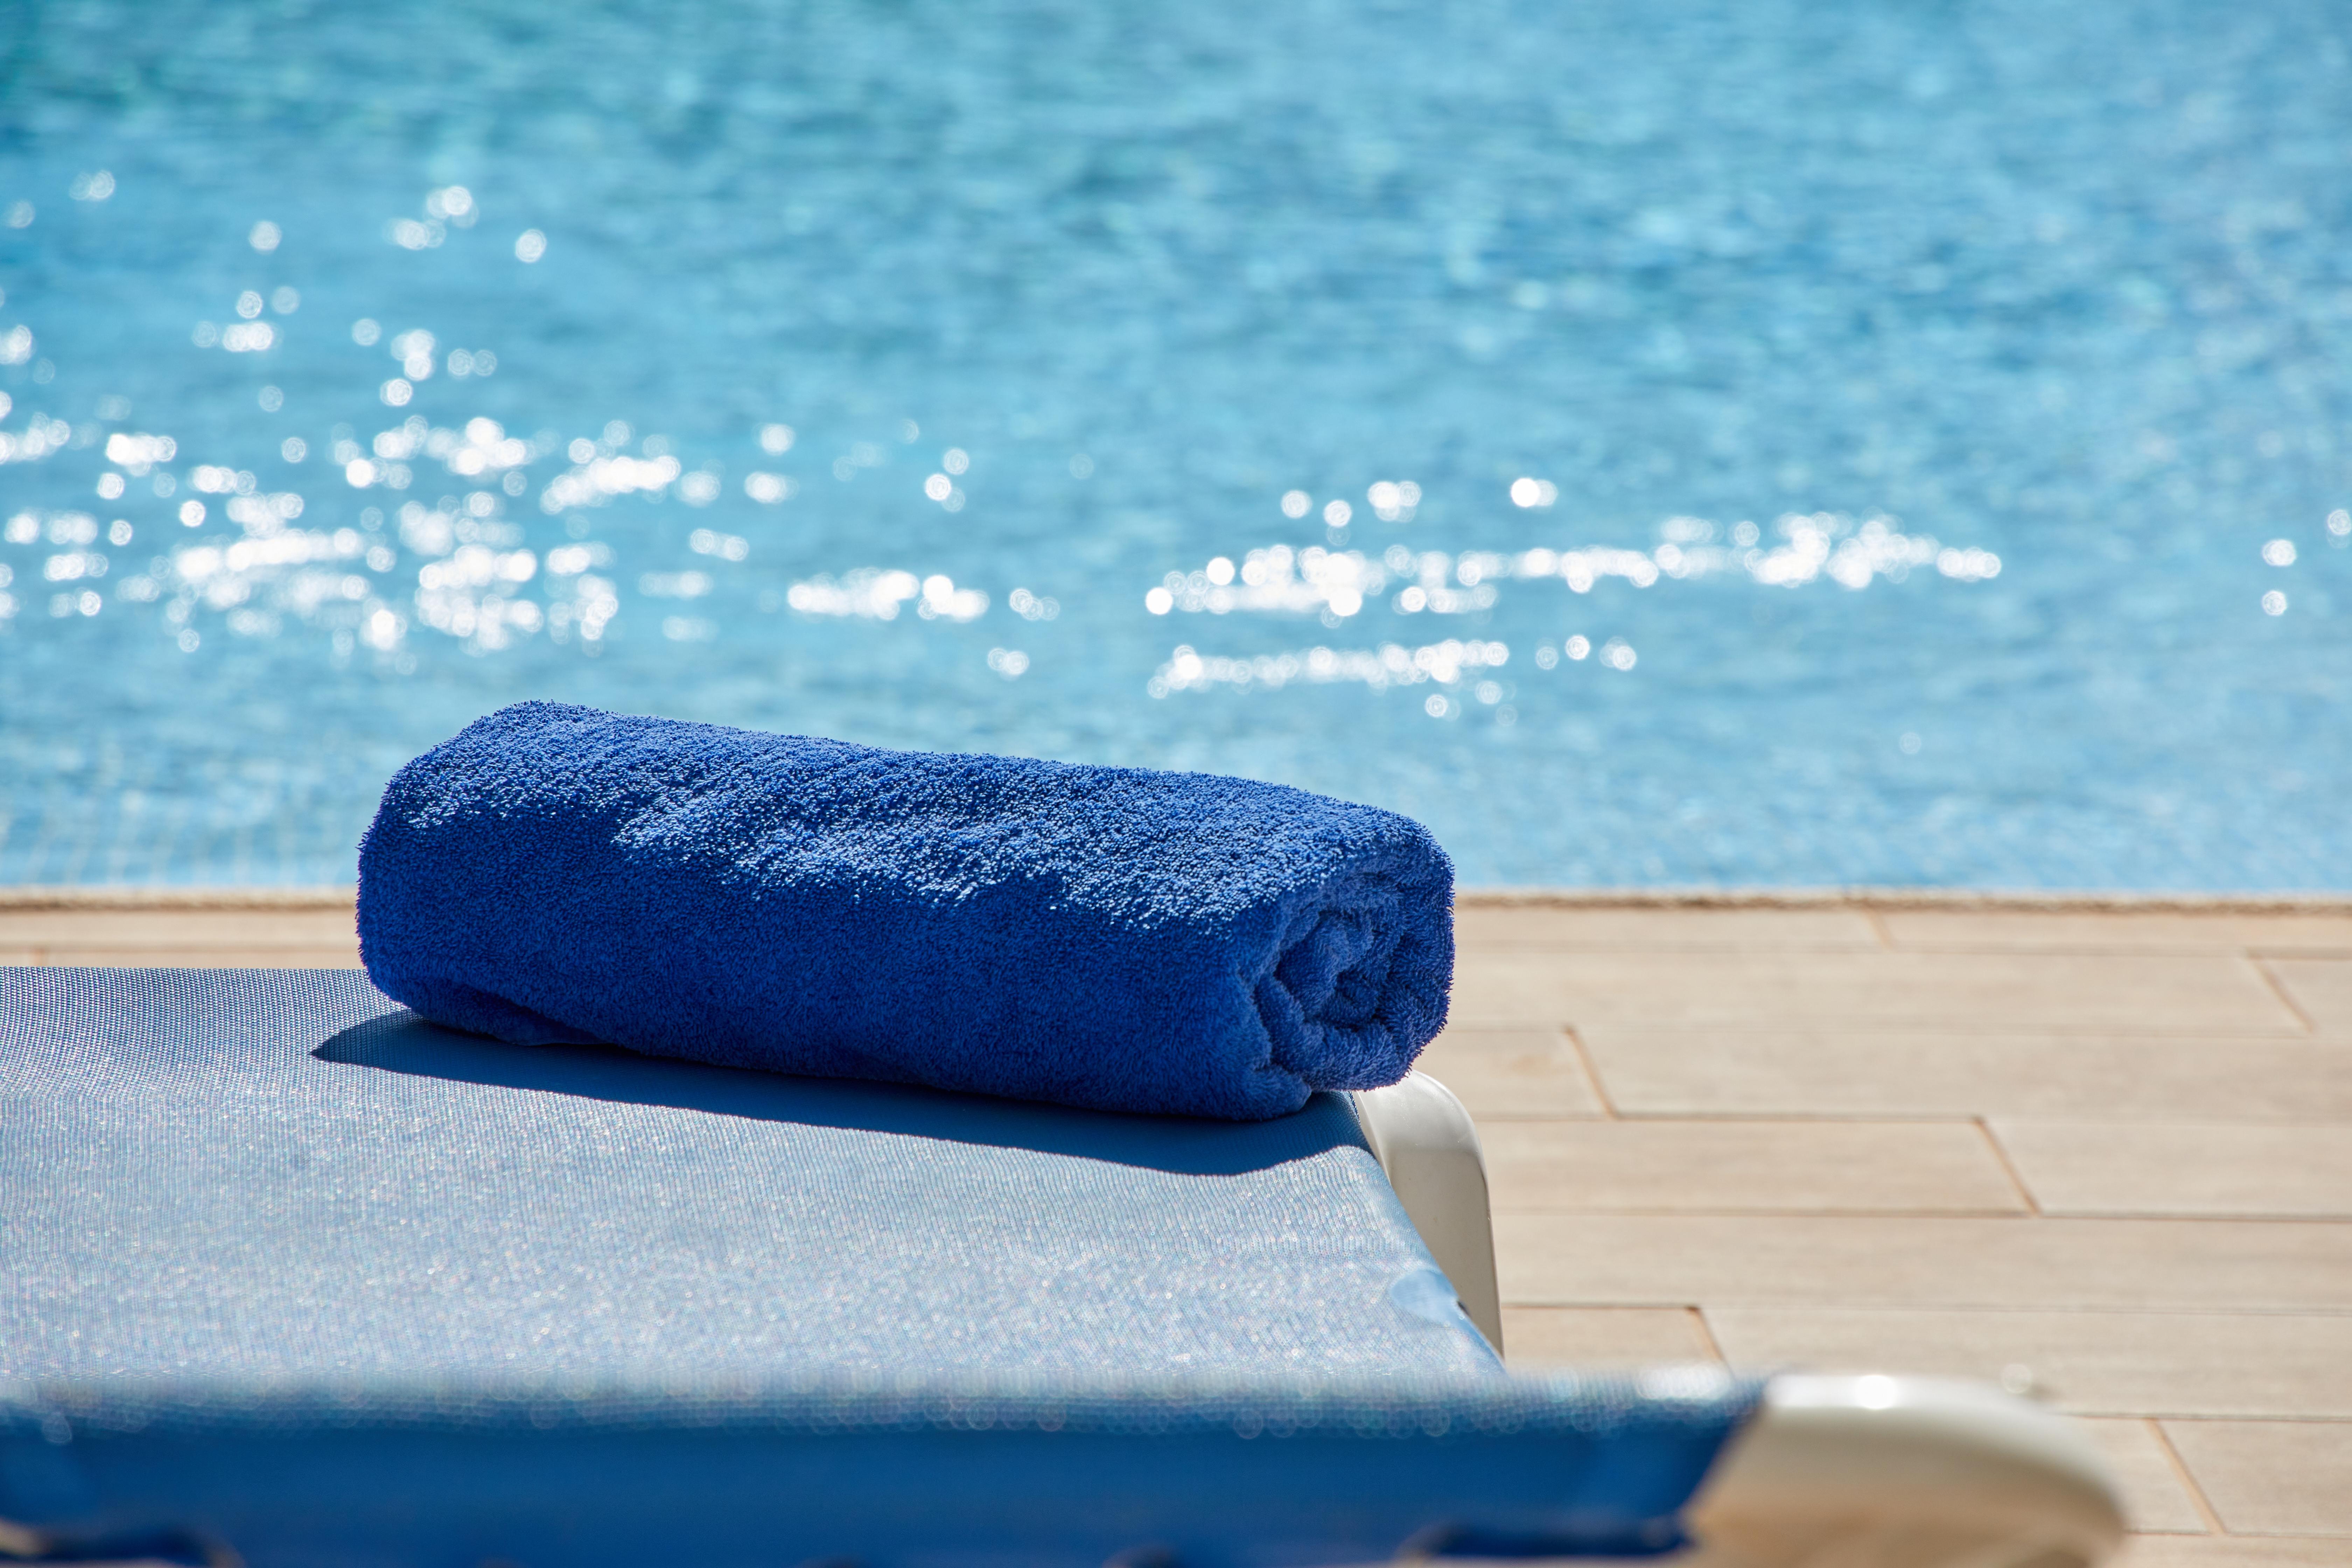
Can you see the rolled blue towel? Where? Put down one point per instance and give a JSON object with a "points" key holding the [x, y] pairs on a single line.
{"points": [[1116, 938]]}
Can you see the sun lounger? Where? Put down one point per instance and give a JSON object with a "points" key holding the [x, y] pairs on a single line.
{"points": [[291, 1275]]}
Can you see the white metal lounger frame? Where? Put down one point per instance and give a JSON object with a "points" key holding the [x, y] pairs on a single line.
{"points": [[1834, 1472], [1904, 1472], [1428, 1145]]}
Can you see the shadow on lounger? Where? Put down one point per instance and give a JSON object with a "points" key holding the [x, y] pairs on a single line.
{"points": [[404, 1043]]}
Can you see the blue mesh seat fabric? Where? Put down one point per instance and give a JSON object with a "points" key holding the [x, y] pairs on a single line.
{"points": [[289, 1270]]}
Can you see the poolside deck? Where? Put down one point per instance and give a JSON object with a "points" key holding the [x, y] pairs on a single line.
{"points": [[2099, 1150]]}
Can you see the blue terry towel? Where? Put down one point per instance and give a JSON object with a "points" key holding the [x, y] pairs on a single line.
{"points": [[1107, 937]]}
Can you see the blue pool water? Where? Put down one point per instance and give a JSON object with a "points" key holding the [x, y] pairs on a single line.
{"points": [[1919, 413]]}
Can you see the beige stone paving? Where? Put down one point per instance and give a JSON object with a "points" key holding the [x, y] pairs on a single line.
{"points": [[2047, 993], [2142, 1363], [1873, 1260], [1487, 928], [1607, 1336], [2168, 1092], [2157, 1497], [101, 929], [2218, 1168], [1821, 1072], [1749, 1167], [226, 936], [2320, 988], [2272, 1477], [2103, 1148], [1504, 1073], [2232, 1552], [1979, 931]]}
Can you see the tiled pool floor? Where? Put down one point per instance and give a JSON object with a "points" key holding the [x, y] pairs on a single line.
{"points": [[2104, 1148]]}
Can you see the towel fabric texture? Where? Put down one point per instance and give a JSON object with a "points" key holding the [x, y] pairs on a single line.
{"points": [[1116, 938]]}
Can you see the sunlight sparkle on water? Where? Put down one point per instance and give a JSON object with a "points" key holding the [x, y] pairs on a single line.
{"points": [[1998, 416]]}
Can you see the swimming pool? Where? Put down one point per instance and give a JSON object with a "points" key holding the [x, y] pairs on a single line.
{"points": [[1653, 445]]}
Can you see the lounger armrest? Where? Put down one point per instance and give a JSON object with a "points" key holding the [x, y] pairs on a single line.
{"points": [[1904, 1472], [1428, 1145]]}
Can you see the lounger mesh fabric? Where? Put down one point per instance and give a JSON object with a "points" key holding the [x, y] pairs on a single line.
{"points": [[258, 1171], [291, 1269]]}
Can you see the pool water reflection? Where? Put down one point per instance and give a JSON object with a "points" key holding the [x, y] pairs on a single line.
{"points": [[1730, 443]]}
